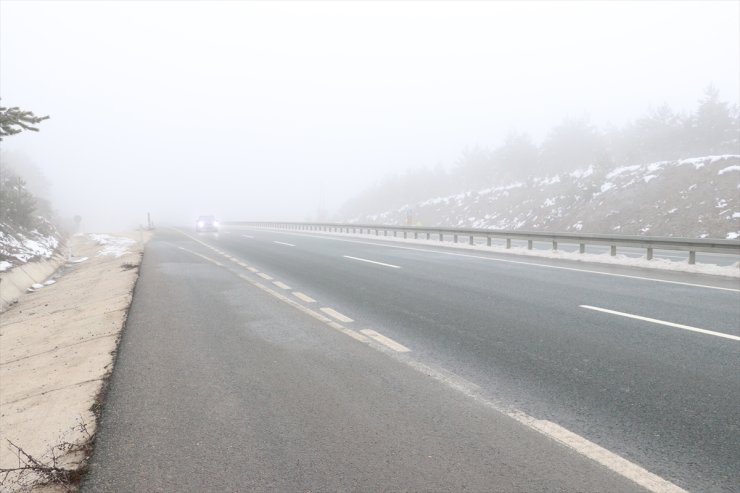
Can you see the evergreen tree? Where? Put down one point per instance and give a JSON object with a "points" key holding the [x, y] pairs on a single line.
{"points": [[15, 120]]}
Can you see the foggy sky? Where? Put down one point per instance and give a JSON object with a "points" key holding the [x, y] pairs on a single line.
{"points": [[256, 111]]}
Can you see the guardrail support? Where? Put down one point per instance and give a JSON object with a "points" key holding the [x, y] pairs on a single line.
{"points": [[416, 235], [613, 250], [649, 253], [455, 238], [429, 236], [488, 240], [508, 243], [692, 257], [529, 244], [582, 248], [554, 245], [471, 239], [441, 237]]}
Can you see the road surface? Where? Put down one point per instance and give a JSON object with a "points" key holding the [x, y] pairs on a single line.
{"points": [[266, 360]]}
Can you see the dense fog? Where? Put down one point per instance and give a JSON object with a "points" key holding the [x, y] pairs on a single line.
{"points": [[302, 110]]}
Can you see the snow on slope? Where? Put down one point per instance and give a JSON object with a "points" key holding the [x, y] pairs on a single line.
{"points": [[695, 198], [20, 246]]}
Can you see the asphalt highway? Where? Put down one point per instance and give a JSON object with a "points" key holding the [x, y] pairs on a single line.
{"points": [[268, 360]]}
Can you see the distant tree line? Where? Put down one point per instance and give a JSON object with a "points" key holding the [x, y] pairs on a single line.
{"points": [[661, 134]]}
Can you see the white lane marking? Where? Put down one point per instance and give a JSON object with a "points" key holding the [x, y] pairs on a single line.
{"points": [[493, 259], [281, 285], [241, 264], [386, 341], [303, 297], [264, 276], [283, 243], [663, 322], [252, 269], [247, 236], [372, 261], [614, 462], [620, 465], [333, 313], [203, 257]]}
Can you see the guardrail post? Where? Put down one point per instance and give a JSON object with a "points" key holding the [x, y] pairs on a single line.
{"points": [[416, 235], [488, 240], [471, 239], [613, 250], [692, 257], [385, 232], [404, 235], [508, 243], [582, 248], [554, 244], [377, 232], [395, 234], [529, 244], [649, 254], [429, 236], [441, 237], [455, 238]]}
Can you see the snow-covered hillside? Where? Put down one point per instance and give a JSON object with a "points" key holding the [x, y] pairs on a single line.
{"points": [[695, 198], [18, 246]]}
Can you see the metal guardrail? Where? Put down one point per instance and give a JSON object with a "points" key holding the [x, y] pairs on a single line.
{"points": [[649, 243]]}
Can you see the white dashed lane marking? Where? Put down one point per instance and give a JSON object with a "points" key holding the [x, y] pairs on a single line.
{"points": [[303, 297], [663, 322], [333, 313], [372, 262]]}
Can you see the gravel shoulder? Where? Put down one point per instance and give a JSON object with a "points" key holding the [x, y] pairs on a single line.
{"points": [[57, 349]]}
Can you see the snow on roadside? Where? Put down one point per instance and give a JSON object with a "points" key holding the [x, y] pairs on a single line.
{"points": [[114, 246]]}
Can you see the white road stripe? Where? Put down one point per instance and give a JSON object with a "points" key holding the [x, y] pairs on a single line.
{"points": [[283, 243], [264, 276], [663, 322], [372, 261], [281, 285], [247, 236], [252, 269], [333, 313], [520, 262], [386, 341], [303, 297]]}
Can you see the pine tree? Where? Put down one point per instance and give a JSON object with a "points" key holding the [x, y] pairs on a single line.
{"points": [[15, 120]]}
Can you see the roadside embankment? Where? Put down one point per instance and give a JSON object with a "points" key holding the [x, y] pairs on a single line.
{"points": [[57, 348]]}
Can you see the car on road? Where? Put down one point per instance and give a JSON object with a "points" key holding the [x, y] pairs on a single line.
{"points": [[206, 224]]}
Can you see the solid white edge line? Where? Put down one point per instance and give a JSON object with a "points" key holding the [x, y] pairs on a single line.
{"points": [[371, 261], [386, 341], [493, 259], [283, 243], [662, 322], [335, 314], [303, 297]]}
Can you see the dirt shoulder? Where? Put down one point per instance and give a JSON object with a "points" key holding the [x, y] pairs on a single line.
{"points": [[57, 348]]}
